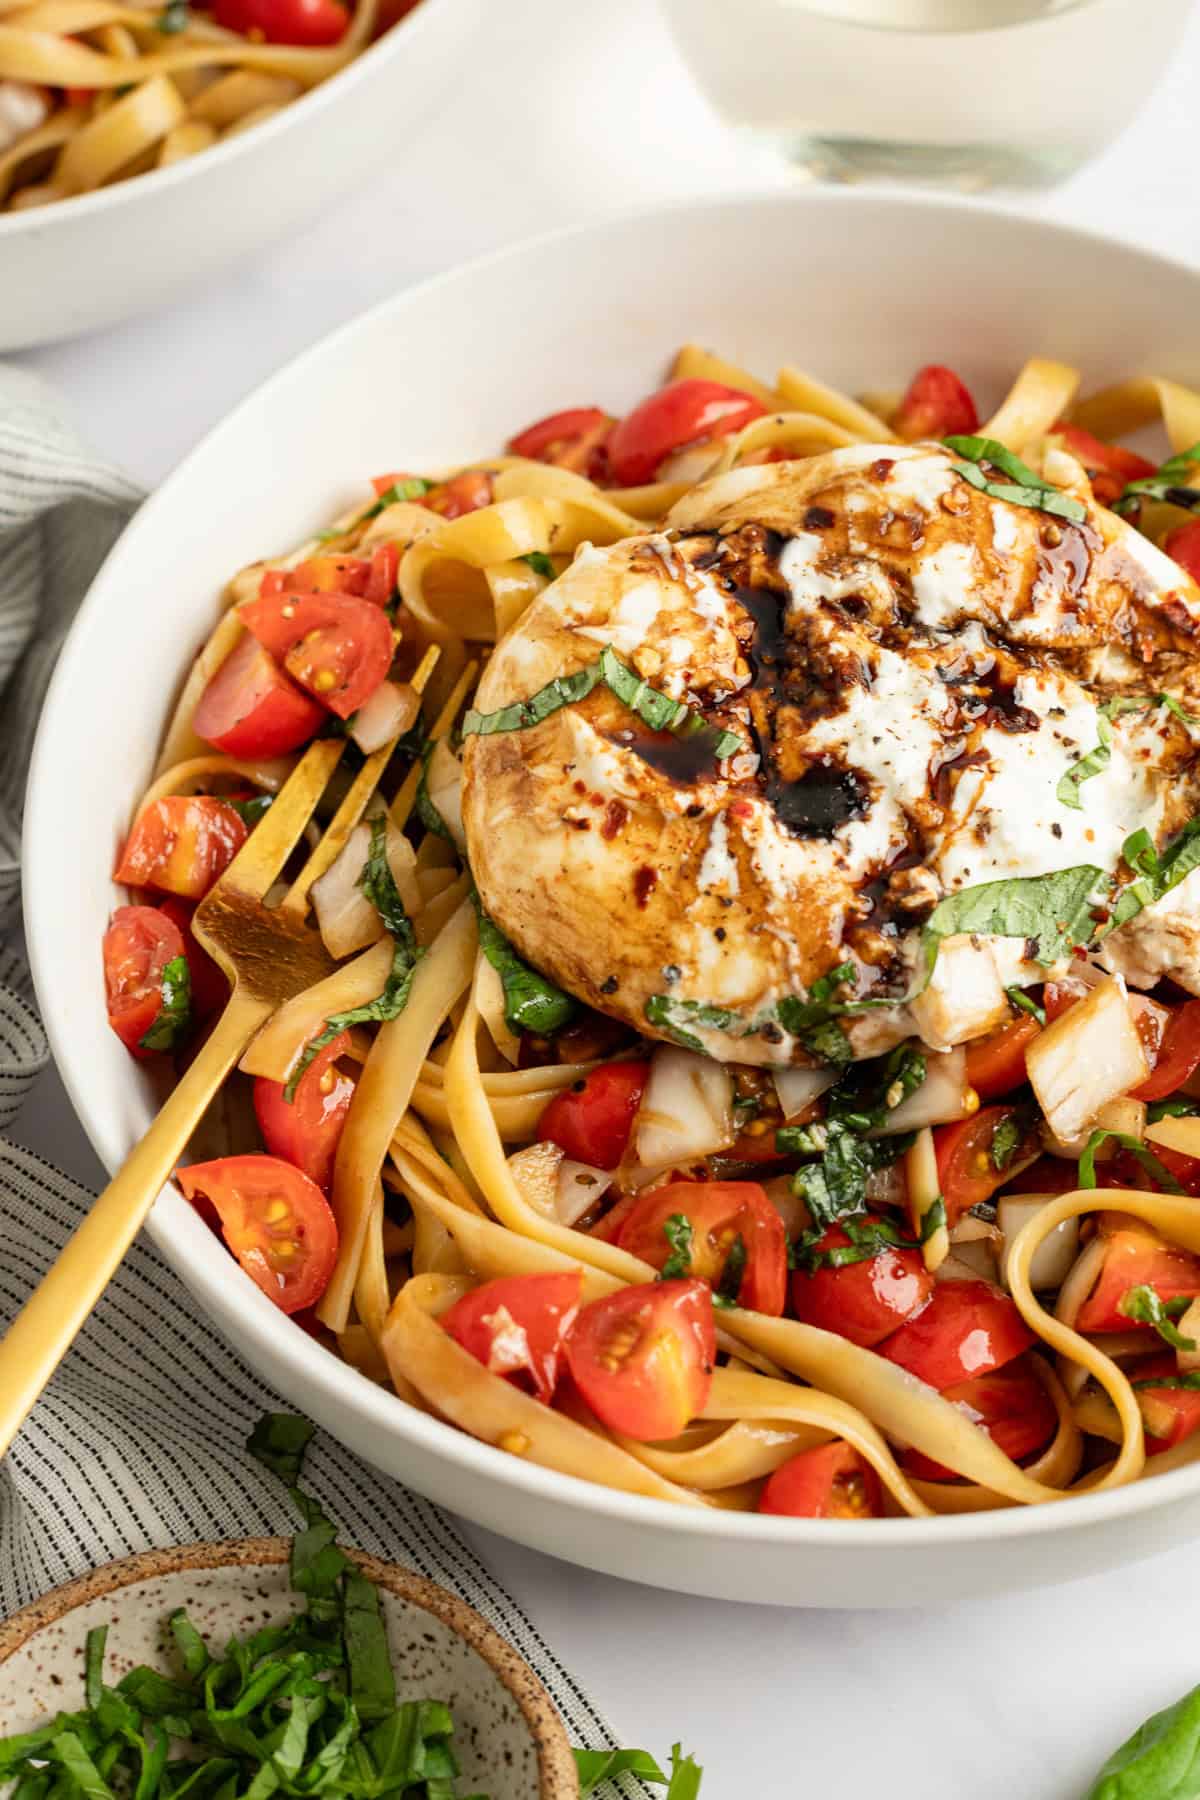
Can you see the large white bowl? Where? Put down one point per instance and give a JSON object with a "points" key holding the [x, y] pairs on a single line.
{"points": [[101, 257], [857, 286]]}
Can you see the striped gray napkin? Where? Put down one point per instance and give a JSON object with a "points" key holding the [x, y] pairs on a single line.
{"points": [[138, 1441]]}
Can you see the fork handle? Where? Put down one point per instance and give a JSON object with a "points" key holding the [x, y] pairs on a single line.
{"points": [[47, 1324]]}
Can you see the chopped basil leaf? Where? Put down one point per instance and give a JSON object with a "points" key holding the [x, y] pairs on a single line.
{"points": [[595, 1766], [425, 810], [867, 1238], [1006, 1140], [1094, 763], [174, 1017], [729, 1286], [1168, 482], [251, 811], [1024, 1003], [379, 886], [1135, 1146], [1053, 911], [411, 488], [1023, 488], [1177, 1107], [93, 1664], [1146, 1307], [1154, 874], [279, 1441], [531, 1002], [655, 709], [1189, 1382], [175, 17], [835, 1188], [674, 1016], [679, 1235], [540, 563], [933, 1219]]}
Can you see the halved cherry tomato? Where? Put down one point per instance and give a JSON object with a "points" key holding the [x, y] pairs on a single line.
{"points": [[306, 1129], [1013, 1407], [643, 1358], [210, 990], [592, 1119], [863, 1301], [338, 646], [275, 1220], [969, 1328], [1180, 1405], [180, 845], [1059, 997], [720, 1212], [517, 1326], [684, 412], [138, 945], [381, 582], [996, 1063], [1178, 1054], [830, 1482], [967, 1172], [382, 483], [1184, 545], [461, 494], [313, 22], [250, 708], [608, 1228], [1110, 467], [1048, 1175], [320, 575], [937, 404], [568, 439], [1137, 1258]]}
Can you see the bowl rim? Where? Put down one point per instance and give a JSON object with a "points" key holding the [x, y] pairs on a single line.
{"points": [[313, 1366], [303, 108], [557, 1776]]}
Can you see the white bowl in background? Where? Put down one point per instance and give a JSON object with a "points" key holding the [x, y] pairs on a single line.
{"points": [[97, 258], [859, 287]]}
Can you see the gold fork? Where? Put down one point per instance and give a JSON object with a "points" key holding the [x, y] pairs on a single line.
{"points": [[268, 954]]}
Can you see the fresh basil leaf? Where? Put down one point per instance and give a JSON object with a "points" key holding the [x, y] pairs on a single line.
{"points": [[835, 1188], [933, 1220], [425, 810], [368, 1659], [174, 18], [540, 563], [1024, 1003], [1168, 482], [93, 1664], [729, 1287], [672, 1017], [1023, 488], [174, 1018], [1006, 1140], [279, 1442], [867, 1236], [413, 487], [1146, 1307], [1189, 1383], [68, 1752], [1154, 874], [563, 690], [595, 1766], [1161, 1761], [532, 1002], [379, 886], [1094, 763], [1135, 1146], [679, 1235], [251, 811], [1054, 912], [191, 1646], [1177, 1107]]}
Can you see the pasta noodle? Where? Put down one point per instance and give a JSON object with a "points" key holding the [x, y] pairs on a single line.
{"points": [[481, 1138]]}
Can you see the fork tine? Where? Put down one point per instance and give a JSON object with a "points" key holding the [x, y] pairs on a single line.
{"points": [[353, 806], [262, 856]]}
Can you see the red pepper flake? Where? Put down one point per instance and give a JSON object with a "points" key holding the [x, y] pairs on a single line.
{"points": [[615, 815], [644, 882]]}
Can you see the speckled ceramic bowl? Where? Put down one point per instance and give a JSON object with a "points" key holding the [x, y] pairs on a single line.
{"points": [[508, 1736]]}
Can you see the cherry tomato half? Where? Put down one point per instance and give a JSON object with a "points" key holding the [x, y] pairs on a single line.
{"points": [[830, 1482], [592, 1119], [684, 412], [210, 990], [250, 708], [569, 440], [275, 1220], [1178, 1054], [967, 1154], [1013, 1407], [1136, 1258], [937, 404], [643, 1358], [313, 22], [996, 1063], [138, 945], [517, 1326], [461, 494], [720, 1213], [1184, 545], [181, 845], [1181, 1406], [969, 1328], [337, 646], [305, 1130], [1110, 467], [863, 1301]]}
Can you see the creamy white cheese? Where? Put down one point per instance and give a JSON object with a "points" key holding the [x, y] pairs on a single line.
{"points": [[718, 871], [943, 585]]}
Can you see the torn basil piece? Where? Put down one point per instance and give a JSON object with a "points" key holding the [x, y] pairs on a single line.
{"points": [[175, 1014], [1094, 763], [1169, 482], [531, 1001], [1024, 486], [564, 690]]}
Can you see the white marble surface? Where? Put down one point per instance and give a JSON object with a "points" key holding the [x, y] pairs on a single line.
{"points": [[568, 112]]}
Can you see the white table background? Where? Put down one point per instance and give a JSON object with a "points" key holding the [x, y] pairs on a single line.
{"points": [[569, 112]]}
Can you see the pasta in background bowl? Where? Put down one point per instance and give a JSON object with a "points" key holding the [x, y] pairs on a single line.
{"points": [[796, 283], [212, 144]]}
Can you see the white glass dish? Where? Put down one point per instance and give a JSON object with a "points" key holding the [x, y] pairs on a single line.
{"points": [[101, 257], [437, 374], [969, 93]]}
